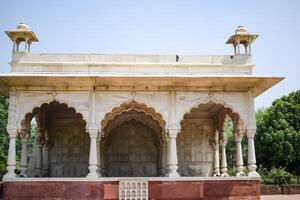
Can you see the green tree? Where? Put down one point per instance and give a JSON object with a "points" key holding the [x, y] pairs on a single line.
{"points": [[3, 134], [278, 134]]}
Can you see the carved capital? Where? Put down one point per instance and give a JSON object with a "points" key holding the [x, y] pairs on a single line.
{"points": [[174, 126], [173, 133], [24, 135], [39, 140], [238, 136], [12, 133], [223, 142], [173, 130], [93, 133], [250, 133], [215, 145]]}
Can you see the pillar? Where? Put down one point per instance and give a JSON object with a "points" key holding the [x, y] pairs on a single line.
{"points": [[98, 155], [11, 158], [14, 46], [246, 48], [39, 155], [216, 159], [26, 46], [167, 155], [223, 143], [29, 46], [173, 154], [251, 153], [46, 160], [18, 45], [216, 154], [93, 154], [249, 48], [46, 155], [24, 155], [163, 159], [238, 46], [102, 159], [238, 136], [234, 46]]}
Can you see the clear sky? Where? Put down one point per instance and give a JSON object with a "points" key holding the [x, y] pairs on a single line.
{"points": [[163, 27]]}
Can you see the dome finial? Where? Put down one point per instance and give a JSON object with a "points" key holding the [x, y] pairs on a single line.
{"points": [[23, 26]]}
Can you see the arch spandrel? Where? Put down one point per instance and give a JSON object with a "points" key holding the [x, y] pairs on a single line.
{"points": [[27, 103], [106, 101], [30, 114], [237, 107]]}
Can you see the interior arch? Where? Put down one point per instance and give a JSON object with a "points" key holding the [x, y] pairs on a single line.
{"points": [[133, 135], [195, 141], [61, 139]]}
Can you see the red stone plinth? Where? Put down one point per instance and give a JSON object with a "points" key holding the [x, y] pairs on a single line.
{"points": [[164, 190]]}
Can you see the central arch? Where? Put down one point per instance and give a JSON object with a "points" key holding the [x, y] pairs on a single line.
{"points": [[132, 145]]}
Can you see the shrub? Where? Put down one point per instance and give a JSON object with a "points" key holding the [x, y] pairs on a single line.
{"points": [[280, 176]]}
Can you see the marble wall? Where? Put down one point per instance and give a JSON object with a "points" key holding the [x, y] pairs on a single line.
{"points": [[69, 155], [195, 154], [132, 150]]}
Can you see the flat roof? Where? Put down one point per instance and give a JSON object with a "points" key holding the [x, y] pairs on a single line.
{"points": [[218, 83]]}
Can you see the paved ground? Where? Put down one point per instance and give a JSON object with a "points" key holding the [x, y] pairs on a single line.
{"points": [[280, 197]]}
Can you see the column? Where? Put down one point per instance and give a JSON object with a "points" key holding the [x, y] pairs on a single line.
{"points": [[238, 46], [246, 48], [39, 155], [234, 46], [98, 155], [29, 45], [251, 153], [173, 154], [39, 158], [249, 48], [24, 157], [216, 155], [18, 45], [14, 46], [26, 46], [46, 160], [11, 158], [238, 136], [93, 154], [102, 159], [167, 155], [223, 143], [46, 156], [216, 159], [163, 159]]}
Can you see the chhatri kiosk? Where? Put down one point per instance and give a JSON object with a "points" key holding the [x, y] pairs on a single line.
{"points": [[123, 126]]}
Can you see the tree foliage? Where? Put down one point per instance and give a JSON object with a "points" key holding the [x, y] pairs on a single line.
{"points": [[278, 134], [3, 134]]}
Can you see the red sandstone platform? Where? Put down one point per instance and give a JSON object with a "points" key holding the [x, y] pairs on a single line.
{"points": [[159, 188]]}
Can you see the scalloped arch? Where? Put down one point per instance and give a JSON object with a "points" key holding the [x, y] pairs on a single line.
{"points": [[234, 109], [29, 109], [133, 106], [30, 114]]}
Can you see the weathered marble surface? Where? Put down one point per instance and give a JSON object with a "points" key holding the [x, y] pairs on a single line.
{"points": [[132, 150], [195, 154]]}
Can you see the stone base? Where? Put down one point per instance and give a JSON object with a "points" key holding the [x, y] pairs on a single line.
{"points": [[167, 190]]}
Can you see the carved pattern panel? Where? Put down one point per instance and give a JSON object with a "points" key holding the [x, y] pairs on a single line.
{"points": [[195, 154], [131, 151], [69, 154]]}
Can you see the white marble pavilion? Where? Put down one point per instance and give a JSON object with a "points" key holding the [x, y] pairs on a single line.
{"points": [[111, 115]]}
